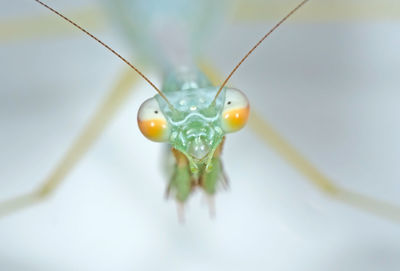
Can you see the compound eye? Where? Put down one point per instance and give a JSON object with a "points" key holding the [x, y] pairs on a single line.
{"points": [[152, 122], [236, 110]]}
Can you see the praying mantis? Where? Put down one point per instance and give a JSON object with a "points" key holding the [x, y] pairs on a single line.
{"points": [[229, 173]]}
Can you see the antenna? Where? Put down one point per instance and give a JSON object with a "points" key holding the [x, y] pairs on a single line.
{"points": [[108, 47], [257, 44]]}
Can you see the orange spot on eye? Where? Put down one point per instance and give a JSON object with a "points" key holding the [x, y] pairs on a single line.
{"points": [[235, 119], [155, 129]]}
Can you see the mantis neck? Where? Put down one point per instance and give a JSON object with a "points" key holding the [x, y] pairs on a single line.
{"points": [[184, 78]]}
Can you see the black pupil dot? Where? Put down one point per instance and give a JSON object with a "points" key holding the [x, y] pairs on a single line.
{"points": [[156, 112], [229, 102]]}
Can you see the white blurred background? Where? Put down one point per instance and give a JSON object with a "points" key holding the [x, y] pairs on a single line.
{"points": [[329, 86]]}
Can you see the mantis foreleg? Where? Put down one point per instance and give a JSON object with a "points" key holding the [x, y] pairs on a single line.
{"points": [[90, 133]]}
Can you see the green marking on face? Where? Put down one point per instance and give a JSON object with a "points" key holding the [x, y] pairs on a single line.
{"points": [[195, 123]]}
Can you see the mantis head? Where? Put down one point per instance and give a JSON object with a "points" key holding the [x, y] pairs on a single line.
{"points": [[196, 124]]}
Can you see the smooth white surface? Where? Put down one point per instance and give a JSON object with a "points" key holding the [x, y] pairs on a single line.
{"points": [[331, 89]]}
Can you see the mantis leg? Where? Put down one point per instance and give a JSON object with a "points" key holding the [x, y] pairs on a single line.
{"points": [[86, 139], [211, 179], [319, 11], [315, 177], [268, 135], [45, 25], [181, 182]]}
